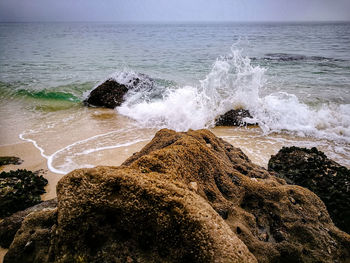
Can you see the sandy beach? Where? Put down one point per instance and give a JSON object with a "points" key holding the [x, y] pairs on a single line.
{"points": [[34, 161], [256, 146]]}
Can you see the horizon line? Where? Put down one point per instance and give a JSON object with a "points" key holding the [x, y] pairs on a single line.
{"points": [[175, 21]]}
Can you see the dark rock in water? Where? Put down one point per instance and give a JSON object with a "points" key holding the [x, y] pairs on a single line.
{"points": [[110, 94], [234, 118], [19, 190], [185, 197], [5, 160], [10, 225], [296, 57], [312, 169], [284, 57]]}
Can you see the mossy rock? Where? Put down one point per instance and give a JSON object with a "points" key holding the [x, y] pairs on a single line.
{"points": [[5, 160], [19, 190], [312, 169]]}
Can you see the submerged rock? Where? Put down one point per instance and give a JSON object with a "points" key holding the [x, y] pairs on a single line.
{"points": [[10, 225], [185, 197], [234, 118], [19, 190], [312, 169], [5, 160], [111, 93]]}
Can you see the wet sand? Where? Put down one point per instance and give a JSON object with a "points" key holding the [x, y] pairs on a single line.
{"points": [[34, 161], [256, 146], [259, 146], [2, 254]]}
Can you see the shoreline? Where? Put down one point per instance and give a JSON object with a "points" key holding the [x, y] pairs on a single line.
{"points": [[33, 161], [258, 147]]}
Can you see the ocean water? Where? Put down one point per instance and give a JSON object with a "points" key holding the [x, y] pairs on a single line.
{"points": [[294, 78]]}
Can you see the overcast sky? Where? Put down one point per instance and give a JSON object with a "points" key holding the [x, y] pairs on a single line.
{"points": [[174, 10]]}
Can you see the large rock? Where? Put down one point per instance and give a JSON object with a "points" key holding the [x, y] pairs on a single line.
{"points": [[122, 215], [185, 197], [312, 169], [10, 225], [111, 93], [278, 222], [234, 118], [19, 190]]}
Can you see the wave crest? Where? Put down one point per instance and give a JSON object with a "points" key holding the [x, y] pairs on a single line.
{"points": [[234, 82]]}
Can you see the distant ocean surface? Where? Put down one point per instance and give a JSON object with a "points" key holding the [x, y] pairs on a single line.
{"points": [[293, 77]]}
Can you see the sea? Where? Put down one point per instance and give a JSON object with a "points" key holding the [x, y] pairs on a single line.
{"points": [[294, 78]]}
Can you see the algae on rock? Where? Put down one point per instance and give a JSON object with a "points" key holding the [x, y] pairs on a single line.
{"points": [[312, 169], [19, 190]]}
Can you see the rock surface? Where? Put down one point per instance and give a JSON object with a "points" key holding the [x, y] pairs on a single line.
{"points": [[19, 190], [10, 225], [234, 118], [185, 197], [312, 169], [111, 93], [32, 240]]}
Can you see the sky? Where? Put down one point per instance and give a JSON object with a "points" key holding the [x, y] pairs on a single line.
{"points": [[174, 10]]}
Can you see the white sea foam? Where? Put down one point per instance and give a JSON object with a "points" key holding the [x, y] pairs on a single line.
{"points": [[234, 82], [42, 152], [284, 112], [67, 154]]}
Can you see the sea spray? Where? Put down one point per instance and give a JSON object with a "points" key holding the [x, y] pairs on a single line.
{"points": [[234, 82], [283, 112]]}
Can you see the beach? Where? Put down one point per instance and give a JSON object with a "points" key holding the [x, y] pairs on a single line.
{"points": [[103, 137]]}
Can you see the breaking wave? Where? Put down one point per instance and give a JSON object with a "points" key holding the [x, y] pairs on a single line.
{"points": [[234, 82], [70, 93]]}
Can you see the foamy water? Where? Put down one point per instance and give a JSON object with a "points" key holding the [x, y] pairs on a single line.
{"points": [[71, 143], [233, 83]]}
